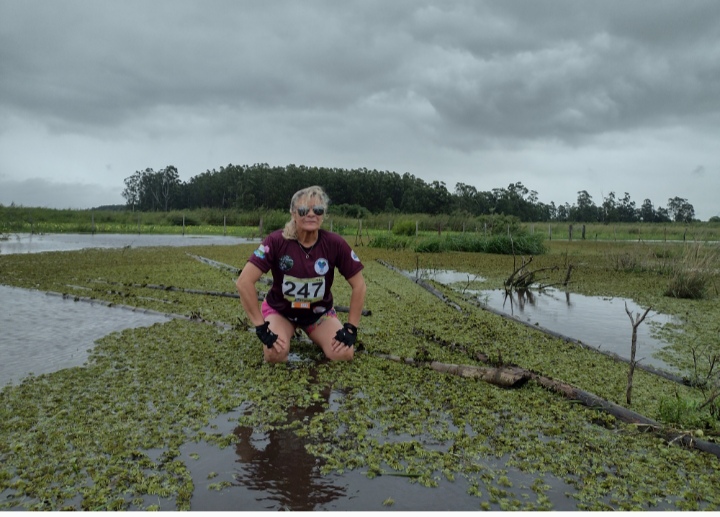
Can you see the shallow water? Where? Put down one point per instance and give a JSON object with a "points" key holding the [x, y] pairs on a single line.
{"points": [[28, 243], [42, 333], [273, 471], [597, 321]]}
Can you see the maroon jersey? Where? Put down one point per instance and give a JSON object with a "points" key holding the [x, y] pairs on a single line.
{"points": [[302, 278]]}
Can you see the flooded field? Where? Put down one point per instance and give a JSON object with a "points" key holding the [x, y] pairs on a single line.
{"points": [[597, 321], [28, 243], [184, 415]]}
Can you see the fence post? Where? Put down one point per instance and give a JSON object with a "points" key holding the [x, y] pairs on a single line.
{"points": [[92, 226], [224, 225], [416, 229], [183, 224], [570, 233]]}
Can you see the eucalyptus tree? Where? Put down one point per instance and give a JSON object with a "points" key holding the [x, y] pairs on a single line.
{"points": [[680, 210], [131, 193]]}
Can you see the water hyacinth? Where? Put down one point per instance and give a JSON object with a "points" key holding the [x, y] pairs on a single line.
{"points": [[109, 435]]}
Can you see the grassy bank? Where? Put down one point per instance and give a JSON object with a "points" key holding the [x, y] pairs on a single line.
{"points": [[251, 224]]}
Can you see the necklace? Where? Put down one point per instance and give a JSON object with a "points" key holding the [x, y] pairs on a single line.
{"points": [[307, 252]]}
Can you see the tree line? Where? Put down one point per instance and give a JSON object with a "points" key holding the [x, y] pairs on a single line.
{"points": [[358, 192]]}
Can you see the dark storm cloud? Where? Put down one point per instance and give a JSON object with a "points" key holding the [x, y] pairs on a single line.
{"points": [[519, 70], [481, 92]]}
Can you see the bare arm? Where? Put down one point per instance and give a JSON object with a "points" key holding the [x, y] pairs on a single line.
{"points": [[248, 292], [357, 298]]}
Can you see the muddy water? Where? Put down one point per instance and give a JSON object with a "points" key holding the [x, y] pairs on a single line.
{"points": [[273, 471]]}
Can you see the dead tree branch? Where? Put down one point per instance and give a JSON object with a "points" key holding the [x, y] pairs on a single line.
{"points": [[635, 321]]}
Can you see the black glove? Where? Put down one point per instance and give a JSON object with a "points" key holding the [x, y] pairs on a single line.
{"points": [[267, 336], [347, 335]]}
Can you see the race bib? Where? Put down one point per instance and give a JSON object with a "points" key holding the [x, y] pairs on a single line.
{"points": [[301, 292]]}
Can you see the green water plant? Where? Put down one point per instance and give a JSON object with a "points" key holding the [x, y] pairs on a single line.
{"points": [[108, 435]]}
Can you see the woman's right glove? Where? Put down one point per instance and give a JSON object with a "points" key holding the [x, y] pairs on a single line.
{"points": [[267, 336]]}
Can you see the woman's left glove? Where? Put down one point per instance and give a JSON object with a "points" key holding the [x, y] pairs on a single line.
{"points": [[347, 335]]}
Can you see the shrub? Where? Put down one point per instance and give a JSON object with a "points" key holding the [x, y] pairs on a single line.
{"points": [[684, 413], [693, 273], [406, 228], [177, 219], [390, 242]]}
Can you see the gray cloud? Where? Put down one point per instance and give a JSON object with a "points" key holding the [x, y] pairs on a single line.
{"points": [[363, 83]]}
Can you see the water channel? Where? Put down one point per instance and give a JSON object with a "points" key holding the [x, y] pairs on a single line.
{"points": [[598, 322]]}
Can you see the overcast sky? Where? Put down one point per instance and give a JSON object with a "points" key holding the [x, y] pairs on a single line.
{"points": [[563, 96]]}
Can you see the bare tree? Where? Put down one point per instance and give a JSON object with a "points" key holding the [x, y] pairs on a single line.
{"points": [[635, 321]]}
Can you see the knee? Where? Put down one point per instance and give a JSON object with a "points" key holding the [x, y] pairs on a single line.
{"points": [[345, 354], [274, 357]]}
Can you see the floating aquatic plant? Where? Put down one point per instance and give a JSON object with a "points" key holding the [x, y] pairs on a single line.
{"points": [[108, 435]]}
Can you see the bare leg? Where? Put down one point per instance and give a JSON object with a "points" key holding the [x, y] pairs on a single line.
{"points": [[323, 336], [285, 330]]}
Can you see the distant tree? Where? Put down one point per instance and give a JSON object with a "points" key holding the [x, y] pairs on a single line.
{"points": [[585, 211], [608, 212], [627, 211], [132, 190], [647, 212], [680, 210]]}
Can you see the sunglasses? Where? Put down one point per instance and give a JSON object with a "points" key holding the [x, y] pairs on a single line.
{"points": [[302, 211]]}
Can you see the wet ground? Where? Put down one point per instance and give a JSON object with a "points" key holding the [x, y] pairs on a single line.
{"points": [[272, 470]]}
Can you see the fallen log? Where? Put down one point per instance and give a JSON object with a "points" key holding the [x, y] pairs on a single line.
{"points": [[517, 376], [216, 264], [514, 377], [626, 415], [647, 368], [504, 376], [261, 296]]}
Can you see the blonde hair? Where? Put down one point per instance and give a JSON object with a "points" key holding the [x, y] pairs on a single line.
{"points": [[314, 192]]}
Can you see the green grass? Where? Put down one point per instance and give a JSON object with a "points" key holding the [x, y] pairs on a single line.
{"points": [[18, 219]]}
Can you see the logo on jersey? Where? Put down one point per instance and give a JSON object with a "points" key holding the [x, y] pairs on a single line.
{"points": [[261, 251], [354, 257], [286, 262], [321, 266]]}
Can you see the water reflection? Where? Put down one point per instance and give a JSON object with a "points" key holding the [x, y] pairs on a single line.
{"points": [[600, 322], [277, 466]]}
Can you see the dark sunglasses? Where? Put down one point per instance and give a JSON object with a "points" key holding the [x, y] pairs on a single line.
{"points": [[302, 211]]}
